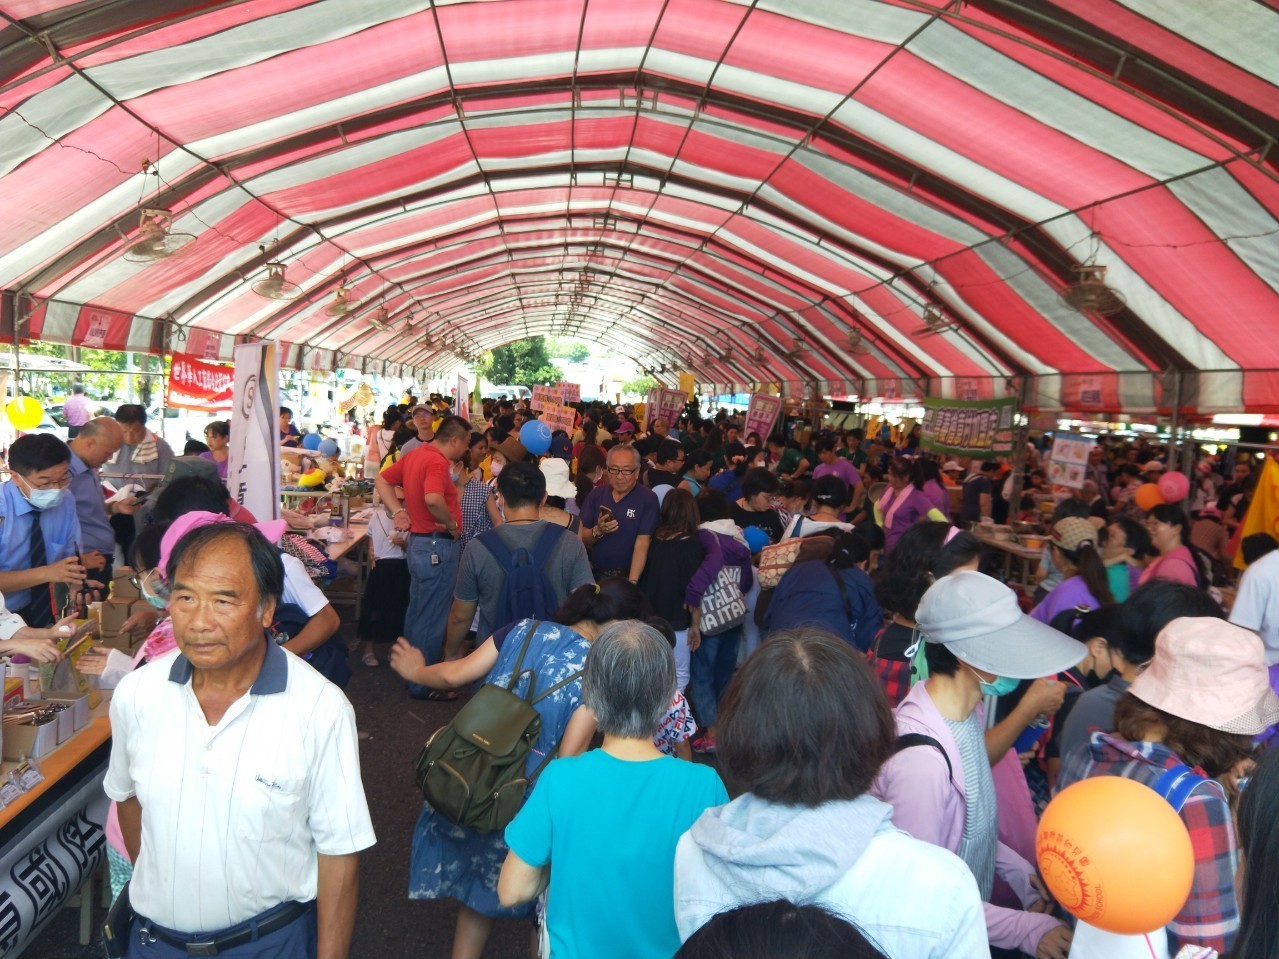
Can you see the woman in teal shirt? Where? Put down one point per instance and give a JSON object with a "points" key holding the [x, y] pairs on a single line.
{"points": [[612, 887]]}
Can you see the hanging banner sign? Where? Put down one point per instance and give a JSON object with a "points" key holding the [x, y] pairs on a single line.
{"points": [[668, 405], [197, 385], [572, 392], [976, 428], [1068, 461], [559, 417], [761, 414], [253, 469], [545, 394]]}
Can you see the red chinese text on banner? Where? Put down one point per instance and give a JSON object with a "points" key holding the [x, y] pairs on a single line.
{"points": [[197, 385]]}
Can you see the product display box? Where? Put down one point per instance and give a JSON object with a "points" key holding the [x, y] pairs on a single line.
{"points": [[27, 739], [77, 711]]}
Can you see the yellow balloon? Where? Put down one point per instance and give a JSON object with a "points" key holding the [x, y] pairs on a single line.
{"points": [[312, 479], [25, 413]]}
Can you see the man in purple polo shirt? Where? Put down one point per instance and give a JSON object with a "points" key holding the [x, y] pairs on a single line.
{"points": [[832, 465], [77, 411], [618, 520]]}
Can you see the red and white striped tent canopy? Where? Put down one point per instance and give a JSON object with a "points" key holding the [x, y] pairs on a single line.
{"points": [[728, 187]]}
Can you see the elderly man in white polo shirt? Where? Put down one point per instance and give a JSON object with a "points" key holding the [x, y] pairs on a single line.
{"points": [[237, 772]]}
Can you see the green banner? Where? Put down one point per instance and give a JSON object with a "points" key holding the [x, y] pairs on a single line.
{"points": [[972, 428]]}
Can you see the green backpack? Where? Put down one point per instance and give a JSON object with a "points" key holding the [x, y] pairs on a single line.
{"points": [[471, 770]]}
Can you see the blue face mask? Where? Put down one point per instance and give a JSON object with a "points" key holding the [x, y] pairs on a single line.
{"points": [[41, 498], [1001, 686]]}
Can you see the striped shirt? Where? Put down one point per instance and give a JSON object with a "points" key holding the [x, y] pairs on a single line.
{"points": [[980, 841]]}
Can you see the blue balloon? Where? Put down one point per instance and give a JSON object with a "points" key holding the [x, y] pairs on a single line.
{"points": [[311, 441], [535, 436], [328, 448]]}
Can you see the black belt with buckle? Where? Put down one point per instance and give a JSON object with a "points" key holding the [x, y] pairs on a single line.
{"points": [[438, 534], [272, 920]]}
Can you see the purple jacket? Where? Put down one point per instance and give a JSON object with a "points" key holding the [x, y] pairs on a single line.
{"points": [[930, 806], [721, 551]]}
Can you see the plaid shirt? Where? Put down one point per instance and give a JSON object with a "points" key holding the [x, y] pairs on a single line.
{"points": [[1210, 916], [475, 515], [892, 668]]}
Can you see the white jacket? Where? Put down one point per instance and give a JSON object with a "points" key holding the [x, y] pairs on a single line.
{"points": [[912, 899]]}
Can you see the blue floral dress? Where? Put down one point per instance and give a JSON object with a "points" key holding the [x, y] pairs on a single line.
{"points": [[452, 862]]}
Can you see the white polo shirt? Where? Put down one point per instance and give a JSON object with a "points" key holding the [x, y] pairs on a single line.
{"points": [[233, 815], [1257, 605]]}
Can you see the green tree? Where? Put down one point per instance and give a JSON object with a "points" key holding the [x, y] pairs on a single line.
{"points": [[579, 353], [523, 363], [640, 386], [108, 385]]}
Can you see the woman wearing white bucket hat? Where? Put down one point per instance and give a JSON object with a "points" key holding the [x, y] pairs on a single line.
{"points": [[1198, 704], [977, 642]]}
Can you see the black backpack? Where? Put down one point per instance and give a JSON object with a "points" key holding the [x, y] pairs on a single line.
{"points": [[526, 592]]}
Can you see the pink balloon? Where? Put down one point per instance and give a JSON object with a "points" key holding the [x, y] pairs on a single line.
{"points": [[1174, 487]]}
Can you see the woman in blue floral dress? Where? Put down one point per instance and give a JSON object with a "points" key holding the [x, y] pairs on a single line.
{"points": [[453, 862]]}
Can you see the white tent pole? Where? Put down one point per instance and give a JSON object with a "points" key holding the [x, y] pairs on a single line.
{"points": [[1174, 427], [1020, 437]]}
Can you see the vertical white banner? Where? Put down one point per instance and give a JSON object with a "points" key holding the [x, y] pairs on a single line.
{"points": [[253, 469], [463, 395]]}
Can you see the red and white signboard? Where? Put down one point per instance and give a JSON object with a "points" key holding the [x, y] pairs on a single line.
{"points": [[96, 330], [667, 405], [197, 385], [572, 391], [762, 414]]}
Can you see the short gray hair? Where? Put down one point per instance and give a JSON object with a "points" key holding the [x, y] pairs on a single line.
{"points": [[619, 448], [629, 679]]}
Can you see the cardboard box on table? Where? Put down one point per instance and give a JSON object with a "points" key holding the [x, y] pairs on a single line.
{"points": [[27, 739], [111, 616]]}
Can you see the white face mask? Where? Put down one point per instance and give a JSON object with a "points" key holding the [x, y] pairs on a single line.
{"points": [[42, 498], [495, 468]]}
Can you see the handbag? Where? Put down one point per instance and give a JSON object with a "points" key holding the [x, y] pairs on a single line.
{"points": [[776, 558], [723, 603]]}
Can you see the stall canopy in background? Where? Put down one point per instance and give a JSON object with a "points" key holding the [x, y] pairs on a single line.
{"points": [[838, 192]]}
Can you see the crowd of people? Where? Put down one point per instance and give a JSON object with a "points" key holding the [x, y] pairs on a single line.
{"points": [[805, 712]]}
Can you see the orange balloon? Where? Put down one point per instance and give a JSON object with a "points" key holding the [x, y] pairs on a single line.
{"points": [[1148, 496], [1116, 855]]}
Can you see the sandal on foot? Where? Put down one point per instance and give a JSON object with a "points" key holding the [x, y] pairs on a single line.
{"points": [[435, 695]]}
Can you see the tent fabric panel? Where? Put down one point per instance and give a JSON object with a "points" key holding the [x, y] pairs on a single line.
{"points": [[1184, 48]]}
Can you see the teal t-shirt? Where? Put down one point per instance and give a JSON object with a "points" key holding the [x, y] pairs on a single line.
{"points": [[608, 828]]}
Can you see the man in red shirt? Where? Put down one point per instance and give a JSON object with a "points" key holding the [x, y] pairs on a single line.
{"points": [[431, 512]]}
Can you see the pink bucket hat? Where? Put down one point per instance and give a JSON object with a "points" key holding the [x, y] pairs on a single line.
{"points": [[273, 530], [1210, 672]]}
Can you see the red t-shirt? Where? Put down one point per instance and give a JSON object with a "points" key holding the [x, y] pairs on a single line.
{"points": [[425, 470]]}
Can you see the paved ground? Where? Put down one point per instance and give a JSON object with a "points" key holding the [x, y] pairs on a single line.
{"points": [[388, 926]]}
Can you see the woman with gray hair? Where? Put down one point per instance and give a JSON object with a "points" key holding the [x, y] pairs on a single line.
{"points": [[618, 903]]}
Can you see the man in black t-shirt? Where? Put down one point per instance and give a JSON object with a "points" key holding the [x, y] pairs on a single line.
{"points": [[978, 494], [665, 474]]}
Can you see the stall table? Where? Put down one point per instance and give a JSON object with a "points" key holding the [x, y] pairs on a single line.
{"points": [[53, 836], [356, 548], [1028, 558]]}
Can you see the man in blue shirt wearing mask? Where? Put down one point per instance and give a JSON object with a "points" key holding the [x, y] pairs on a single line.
{"points": [[39, 530]]}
